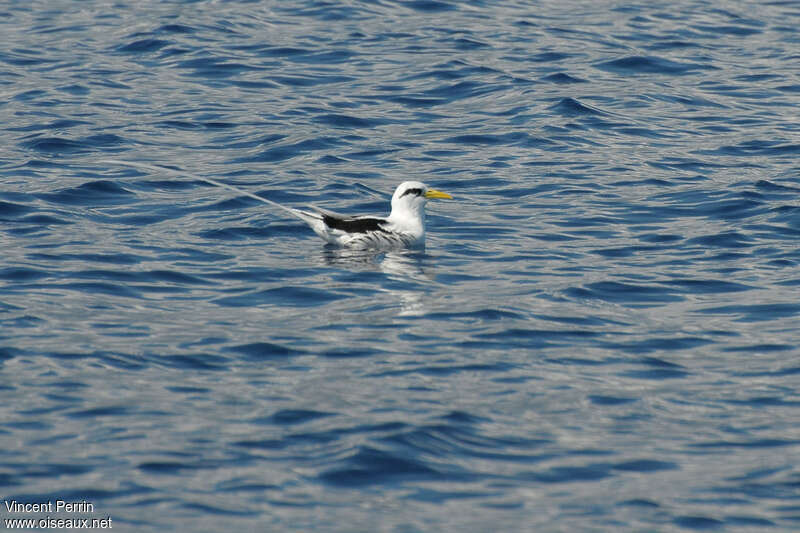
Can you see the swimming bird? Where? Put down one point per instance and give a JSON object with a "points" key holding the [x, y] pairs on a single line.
{"points": [[403, 228]]}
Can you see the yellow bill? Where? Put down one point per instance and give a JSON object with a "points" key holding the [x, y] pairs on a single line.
{"points": [[433, 193]]}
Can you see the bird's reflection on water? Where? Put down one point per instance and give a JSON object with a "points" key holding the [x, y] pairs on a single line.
{"points": [[404, 270], [405, 264]]}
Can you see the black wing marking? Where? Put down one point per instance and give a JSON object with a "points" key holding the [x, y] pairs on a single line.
{"points": [[354, 225]]}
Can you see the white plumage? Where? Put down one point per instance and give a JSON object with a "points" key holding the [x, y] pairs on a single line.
{"points": [[403, 228]]}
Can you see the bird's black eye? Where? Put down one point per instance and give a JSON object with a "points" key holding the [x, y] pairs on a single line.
{"points": [[415, 192]]}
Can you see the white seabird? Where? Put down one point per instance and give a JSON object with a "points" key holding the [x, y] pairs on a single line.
{"points": [[403, 228]]}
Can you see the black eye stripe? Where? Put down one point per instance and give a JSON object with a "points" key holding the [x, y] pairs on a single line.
{"points": [[417, 192]]}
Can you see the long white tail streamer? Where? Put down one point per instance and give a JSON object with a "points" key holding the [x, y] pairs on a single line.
{"points": [[158, 168]]}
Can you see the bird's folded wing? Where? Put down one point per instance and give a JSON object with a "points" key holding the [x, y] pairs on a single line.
{"points": [[348, 224]]}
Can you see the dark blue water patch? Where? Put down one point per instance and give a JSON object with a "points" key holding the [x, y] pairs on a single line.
{"points": [[760, 348], [214, 67], [284, 152], [54, 145], [413, 102], [143, 46], [241, 486], [26, 321], [657, 369], [570, 107], [11, 211], [625, 251], [462, 418], [737, 31], [349, 121], [110, 258], [771, 186], [728, 239], [247, 233], [331, 160], [166, 467], [446, 370], [97, 412], [23, 58], [428, 6], [466, 44], [250, 142], [99, 192], [569, 474], [645, 182], [22, 274], [282, 51], [371, 466], [488, 314], [60, 124], [219, 511], [28, 425], [454, 438], [326, 57], [349, 353], [762, 401], [290, 417], [649, 65], [264, 444], [671, 45], [626, 293], [178, 29], [55, 470], [370, 154], [64, 146], [172, 276], [38, 223], [188, 125], [639, 502], [549, 57], [438, 497], [755, 443], [755, 148], [749, 521], [291, 296], [513, 138], [309, 81], [461, 90], [140, 276], [708, 286], [646, 466], [194, 361], [532, 338], [698, 523], [792, 89], [610, 400], [258, 274], [108, 289], [755, 313], [265, 351], [734, 209]]}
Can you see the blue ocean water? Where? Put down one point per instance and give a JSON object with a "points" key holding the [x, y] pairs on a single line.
{"points": [[601, 334]]}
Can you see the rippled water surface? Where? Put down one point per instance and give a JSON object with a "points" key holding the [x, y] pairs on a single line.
{"points": [[601, 334]]}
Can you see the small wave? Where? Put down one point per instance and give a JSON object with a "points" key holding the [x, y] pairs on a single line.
{"points": [[649, 65]]}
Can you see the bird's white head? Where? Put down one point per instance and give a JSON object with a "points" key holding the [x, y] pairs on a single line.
{"points": [[410, 198], [408, 208]]}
